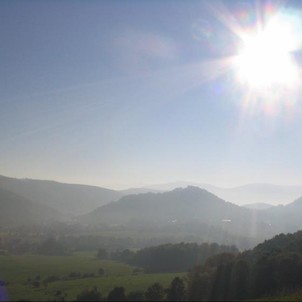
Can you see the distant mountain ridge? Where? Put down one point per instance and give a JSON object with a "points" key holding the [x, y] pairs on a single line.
{"points": [[258, 206], [192, 205], [176, 205], [16, 210], [246, 194], [185, 210], [73, 199], [76, 199], [180, 207], [132, 191]]}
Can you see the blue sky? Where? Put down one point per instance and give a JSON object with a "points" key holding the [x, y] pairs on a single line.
{"points": [[131, 93]]}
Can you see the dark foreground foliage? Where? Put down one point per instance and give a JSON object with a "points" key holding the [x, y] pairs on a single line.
{"points": [[175, 292], [271, 268]]}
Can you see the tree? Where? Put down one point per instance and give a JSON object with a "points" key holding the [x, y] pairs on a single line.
{"points": [[101, 271], [51, 246], [60, 296], [221, 283], [176, 291], [117, 294], [264, 272], [172, 257], [155, 292], [198, 286], [135, 296], [240, 281], [91, 294], [102, 254]]}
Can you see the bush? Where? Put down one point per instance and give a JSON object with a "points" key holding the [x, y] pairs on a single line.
{"points": [[92, 294], [117, 294]]}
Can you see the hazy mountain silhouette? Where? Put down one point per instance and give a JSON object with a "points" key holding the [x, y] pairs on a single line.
{"points": [[286, 218], [132, 191], [177, 205], [68, 198], [247, 194], [295, 205], [181, 207], [79, 199], [16, 210], [177, 209], [261, 193], [258, 206]]}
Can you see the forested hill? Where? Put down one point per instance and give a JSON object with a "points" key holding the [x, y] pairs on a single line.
{"points": [[289, 243], [295, 205], [180, 205], [270, 269], [67, 198], [182, 208], [283, 219], [16, 210]]}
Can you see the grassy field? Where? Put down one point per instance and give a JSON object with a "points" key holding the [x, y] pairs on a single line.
{"points": [[297, 296], [26, 276]]}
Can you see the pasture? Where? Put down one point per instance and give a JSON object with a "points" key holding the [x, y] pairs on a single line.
{"points": [[36, 278]]}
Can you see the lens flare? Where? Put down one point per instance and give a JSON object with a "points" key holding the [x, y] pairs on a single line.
{"points": [[265, 58], [201, 30], [265, 66], [3, 292], [262, 63]]}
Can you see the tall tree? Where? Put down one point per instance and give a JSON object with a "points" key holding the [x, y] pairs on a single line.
{"points": [[117, 294], [92, 294], [176, 291], [155, 293]]}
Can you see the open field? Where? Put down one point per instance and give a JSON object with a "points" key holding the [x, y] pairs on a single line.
{"points": [[294, 296], [35, 278]]}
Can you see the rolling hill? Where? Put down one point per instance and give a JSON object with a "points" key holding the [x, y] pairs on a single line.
{"points": [[247, 194], [285, 219], [16, 210], [195, 210], [187, 209], [70, 199], [180, 209], [179, 205]]}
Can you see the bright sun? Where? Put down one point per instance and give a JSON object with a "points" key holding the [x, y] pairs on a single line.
{"points": [[265, 58]]}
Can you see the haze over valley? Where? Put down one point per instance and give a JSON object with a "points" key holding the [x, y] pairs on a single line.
{"points": [[151, 150], [184, 214]]}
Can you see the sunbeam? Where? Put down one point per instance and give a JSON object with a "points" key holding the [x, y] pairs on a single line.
{"points": [[264, 65]]}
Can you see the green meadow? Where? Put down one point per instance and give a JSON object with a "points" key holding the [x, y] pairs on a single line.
{"points": [[36, 278], [294, 296]]}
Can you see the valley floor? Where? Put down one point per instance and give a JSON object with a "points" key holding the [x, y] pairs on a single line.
{"points": [[46, 278]]}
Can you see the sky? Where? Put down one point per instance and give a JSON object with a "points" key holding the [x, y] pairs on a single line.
{"points": [[133, 93]]}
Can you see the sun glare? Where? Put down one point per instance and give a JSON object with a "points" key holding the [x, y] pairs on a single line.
{"points": [[265, 58], [262, 63]]}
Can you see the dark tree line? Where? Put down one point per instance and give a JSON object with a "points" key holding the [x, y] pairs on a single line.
{"points": [[156, 292], [171, 257]]}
